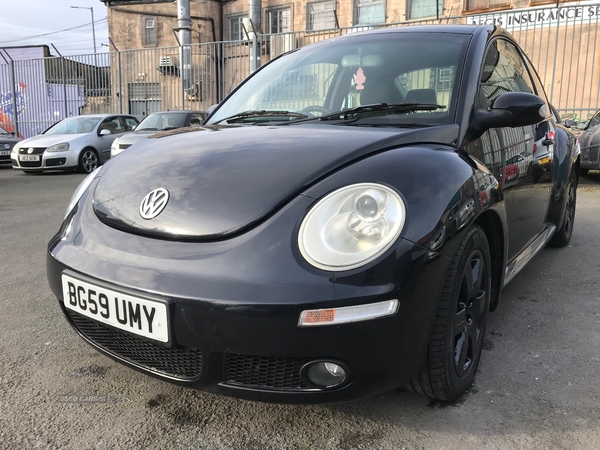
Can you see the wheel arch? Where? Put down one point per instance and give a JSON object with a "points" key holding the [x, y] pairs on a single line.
{"points": [[490, 223]]}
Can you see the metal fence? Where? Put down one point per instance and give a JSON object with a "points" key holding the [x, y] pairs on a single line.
{"points": [[35, 93]]}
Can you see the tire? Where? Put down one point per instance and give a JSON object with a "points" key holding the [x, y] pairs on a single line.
{"points": [[88, 160], [563, 235], [456, 341], [583, 172]]}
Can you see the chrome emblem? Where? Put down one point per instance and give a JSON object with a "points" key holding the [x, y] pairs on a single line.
{"points": [[153, 203], [6, 145], [29, 151]]}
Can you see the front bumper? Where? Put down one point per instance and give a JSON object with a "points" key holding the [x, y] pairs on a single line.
{"points": [[234, 309], [47, 161]]}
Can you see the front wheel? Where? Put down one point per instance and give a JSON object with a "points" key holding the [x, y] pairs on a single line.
{"points": [[563, 235], [88, 160], [459, 328]]}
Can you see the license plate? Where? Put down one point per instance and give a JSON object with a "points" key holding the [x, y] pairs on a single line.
{"points": [[544, 160], [29, 157], [129, 313], [4, 152]]}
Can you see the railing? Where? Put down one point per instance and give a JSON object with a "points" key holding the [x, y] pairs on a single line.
{"points": [[560, 41]]}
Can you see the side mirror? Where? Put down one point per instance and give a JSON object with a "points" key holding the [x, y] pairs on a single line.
{"points": [[133, 127], [513, 109], [210, 109], [569, 123], [105, 132]]}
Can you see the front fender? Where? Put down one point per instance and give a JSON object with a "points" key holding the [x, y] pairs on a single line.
{"points": [[566, 159]]}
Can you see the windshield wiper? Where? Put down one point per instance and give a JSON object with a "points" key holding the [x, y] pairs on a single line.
{"points": [[383, 108], [260, 113]]}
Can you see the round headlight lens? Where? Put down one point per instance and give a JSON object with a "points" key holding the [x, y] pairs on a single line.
{"points": [[351, 226]]}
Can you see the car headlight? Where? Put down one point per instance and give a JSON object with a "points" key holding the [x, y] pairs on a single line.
{"points": [[115, 145], [15, 149], [82, 188], [62, 147], [351, 226]]}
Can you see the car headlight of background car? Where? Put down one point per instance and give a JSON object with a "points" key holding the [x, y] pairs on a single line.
{"points": [[62, 147], [351, 226]]}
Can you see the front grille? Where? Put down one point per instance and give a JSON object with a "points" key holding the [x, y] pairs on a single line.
{"points": [[124, 146], [35, 150], [183, 363], [264, 372], [30, 163]]}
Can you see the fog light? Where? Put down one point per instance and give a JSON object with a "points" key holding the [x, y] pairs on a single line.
{"points": [[325, 374]]}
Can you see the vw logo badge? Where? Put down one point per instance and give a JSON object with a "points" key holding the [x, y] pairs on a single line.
{"points": [[29, 151], [153, 203], [7, 146]]}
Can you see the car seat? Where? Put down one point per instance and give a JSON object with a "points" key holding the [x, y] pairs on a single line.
{"points": [[422, 96]]}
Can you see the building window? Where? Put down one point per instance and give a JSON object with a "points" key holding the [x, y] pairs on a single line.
{"points": [[236, 28], [476, 5], [321, 15], [424, 8], [370, 12], [278, 20], [149, 31]]}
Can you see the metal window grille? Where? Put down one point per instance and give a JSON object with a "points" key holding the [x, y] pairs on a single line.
{"points": [[279, 20], [424, 8], [321, 15], [370, 12]]}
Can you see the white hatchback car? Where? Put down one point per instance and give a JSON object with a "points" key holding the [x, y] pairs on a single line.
{"points": [[82, 143]]}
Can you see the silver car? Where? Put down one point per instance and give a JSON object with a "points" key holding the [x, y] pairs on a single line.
{"points": [[157, 122], [81, 143]]}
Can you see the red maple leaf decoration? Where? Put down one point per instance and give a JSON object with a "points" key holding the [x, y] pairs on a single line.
{"points": [[359, 79]]}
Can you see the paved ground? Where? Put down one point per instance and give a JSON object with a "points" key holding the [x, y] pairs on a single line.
{"points": [[537, 386]]}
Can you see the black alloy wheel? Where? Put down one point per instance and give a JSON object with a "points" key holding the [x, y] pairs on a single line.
{"points": [[563, 235], [458, 332]]}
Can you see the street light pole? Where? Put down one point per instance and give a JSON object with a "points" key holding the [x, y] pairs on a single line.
{"points": [[91, 8]]}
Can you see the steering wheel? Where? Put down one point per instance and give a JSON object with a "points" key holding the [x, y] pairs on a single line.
{"points": [[315, 108]]}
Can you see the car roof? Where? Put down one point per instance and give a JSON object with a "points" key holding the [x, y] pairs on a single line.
{"points": [[456, 29]]}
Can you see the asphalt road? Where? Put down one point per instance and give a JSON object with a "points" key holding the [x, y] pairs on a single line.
{"points": [[537, 387]]}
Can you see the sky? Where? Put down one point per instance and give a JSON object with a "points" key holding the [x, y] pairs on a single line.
{"points": [[23, 21]]}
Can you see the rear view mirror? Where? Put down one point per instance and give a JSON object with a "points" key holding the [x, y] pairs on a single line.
{"points": [[211, 108]]}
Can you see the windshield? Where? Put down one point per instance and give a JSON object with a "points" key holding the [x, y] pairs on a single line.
{"points": [[353, 71], [74, 125], [160, 122]]}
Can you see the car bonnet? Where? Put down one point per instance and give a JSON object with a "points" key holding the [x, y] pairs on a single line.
{"points": [[220, 180]]}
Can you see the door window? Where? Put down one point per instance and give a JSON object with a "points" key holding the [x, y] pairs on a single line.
{"points": [[504, 71]]}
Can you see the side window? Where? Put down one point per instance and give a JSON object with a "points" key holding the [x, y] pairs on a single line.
{"points": [[130, 123], [196, 120], [504, 71], [594, 121], [113, 125]]}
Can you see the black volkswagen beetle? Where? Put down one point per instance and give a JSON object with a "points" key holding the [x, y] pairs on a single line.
{"points": [[339, 227]]}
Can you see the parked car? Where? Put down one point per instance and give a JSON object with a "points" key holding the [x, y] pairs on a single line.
{"points": [[331, 241], [589, 141], [7, 142], [154, 123], [81, 142]]}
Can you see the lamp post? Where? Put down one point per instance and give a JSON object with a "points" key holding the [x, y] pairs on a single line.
{"points": [[93, 26]]}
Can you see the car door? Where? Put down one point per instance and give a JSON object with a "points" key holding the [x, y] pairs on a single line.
{"points": [[508, 151], [116, 128]]}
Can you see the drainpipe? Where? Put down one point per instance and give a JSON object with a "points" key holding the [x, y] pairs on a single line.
{"points": [[184, 27], [255, 15]]}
